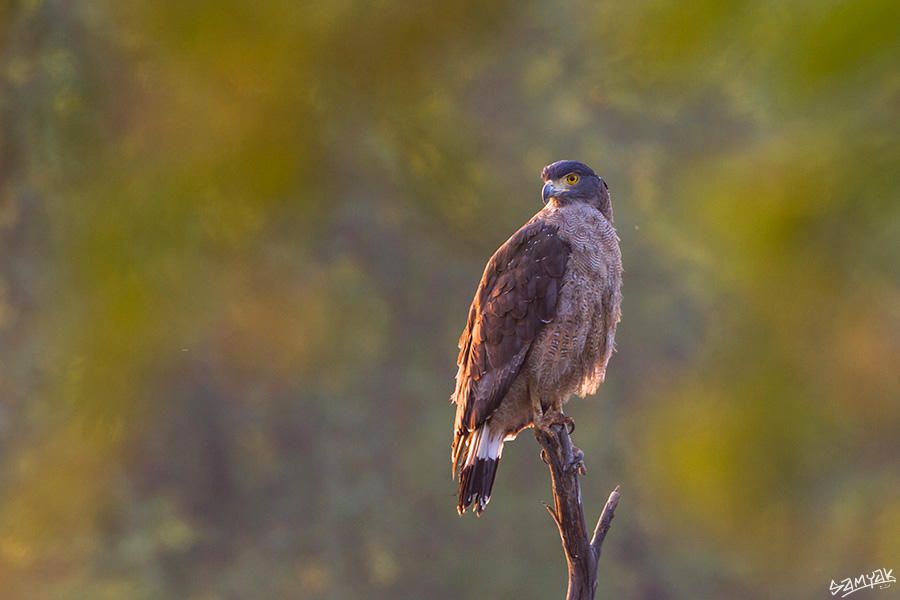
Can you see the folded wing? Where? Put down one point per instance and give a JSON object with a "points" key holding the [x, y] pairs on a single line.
{"points": [[516, 297]]}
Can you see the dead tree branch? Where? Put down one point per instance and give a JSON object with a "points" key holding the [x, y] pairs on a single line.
{"points": [[582, 555]]}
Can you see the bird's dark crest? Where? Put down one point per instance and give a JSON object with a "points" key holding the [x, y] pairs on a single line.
{"points": [[564, 167], [590, 188]]}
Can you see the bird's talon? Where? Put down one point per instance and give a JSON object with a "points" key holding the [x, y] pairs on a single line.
{"points": [[547, 420], [578, 454], [577, 463], [561, 419], [545, 458]]}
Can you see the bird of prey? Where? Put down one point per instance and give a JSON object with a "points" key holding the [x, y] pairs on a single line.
{"points": [[541, 326]]}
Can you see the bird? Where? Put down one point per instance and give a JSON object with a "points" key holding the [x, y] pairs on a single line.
{"points": [[541, 327]]}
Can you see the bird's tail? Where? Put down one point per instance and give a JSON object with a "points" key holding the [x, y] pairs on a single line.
{"points": [[477, 475]]}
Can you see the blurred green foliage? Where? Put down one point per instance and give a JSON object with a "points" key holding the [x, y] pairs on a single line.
{"points": [[238, 242]]}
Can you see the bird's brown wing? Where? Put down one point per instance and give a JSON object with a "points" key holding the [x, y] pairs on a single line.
{"points": [[517, 295]]}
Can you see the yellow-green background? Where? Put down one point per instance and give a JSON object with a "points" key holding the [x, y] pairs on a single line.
{"points": [[238, 241]]}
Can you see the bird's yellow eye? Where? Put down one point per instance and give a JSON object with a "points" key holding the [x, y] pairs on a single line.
{"points": [[571, 178]]}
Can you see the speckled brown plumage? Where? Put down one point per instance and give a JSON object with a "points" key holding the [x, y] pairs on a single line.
{"points": [[541, 326]]}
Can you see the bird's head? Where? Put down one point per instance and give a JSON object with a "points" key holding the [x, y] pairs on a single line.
{"points": [[569, 181]]}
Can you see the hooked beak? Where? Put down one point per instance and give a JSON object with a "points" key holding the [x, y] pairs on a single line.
{"points": [[548, 192]]}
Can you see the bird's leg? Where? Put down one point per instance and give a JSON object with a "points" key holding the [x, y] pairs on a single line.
{"points": [[544, 457], [545, 420], [539, 417]]}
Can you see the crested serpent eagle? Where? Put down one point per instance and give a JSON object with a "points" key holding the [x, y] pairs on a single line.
{"points": [[541, 326]]}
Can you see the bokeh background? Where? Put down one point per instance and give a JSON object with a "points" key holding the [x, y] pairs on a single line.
{"points": [[238, 242]]}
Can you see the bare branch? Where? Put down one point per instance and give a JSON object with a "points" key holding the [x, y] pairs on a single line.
{"points": [[605, 521], [581, 556], [552, 513]]}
